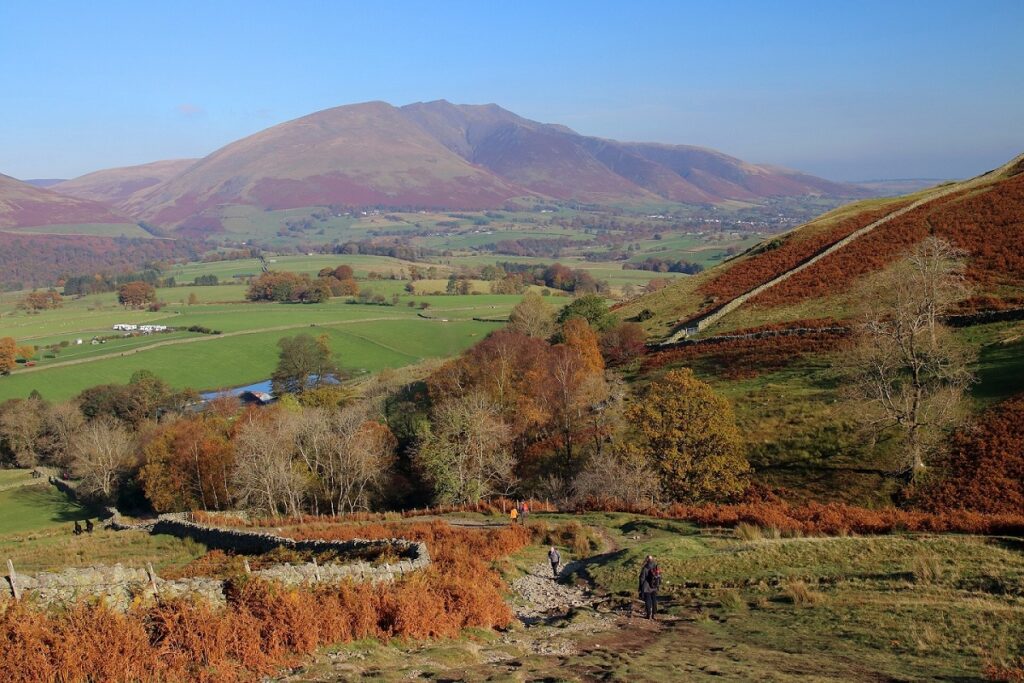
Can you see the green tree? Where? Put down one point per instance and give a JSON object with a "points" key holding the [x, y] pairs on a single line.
{"points": [[591, 308], [688, 435], [303, 363]]}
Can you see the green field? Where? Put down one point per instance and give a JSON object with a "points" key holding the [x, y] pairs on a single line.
{"points": [[37, 506]]}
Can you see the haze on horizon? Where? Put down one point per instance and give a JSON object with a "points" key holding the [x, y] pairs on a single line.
{"points": [[847, 91]]}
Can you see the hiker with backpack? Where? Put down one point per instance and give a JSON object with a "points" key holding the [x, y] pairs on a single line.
{"points": [[650, 583]]}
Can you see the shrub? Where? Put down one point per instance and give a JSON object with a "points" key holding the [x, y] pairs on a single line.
{"points": [[801, 595], [732, 601]]}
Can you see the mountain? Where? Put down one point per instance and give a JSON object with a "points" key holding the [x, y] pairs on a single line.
{"points": [[813, 271], [365, 154], [555, 161], [432, 155], [116, 185], [25, 206]]}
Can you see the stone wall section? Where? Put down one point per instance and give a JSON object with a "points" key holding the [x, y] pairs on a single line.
{"points": [[121, 586]]}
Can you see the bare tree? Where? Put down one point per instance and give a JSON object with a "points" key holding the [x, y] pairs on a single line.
{"points": [[907, 372], [102, 453], [617, 475], [464, 452], [348, 456], [532, 317], [266, 477]]}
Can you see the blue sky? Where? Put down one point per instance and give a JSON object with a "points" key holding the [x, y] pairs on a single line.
{"points": [[846, 89]]}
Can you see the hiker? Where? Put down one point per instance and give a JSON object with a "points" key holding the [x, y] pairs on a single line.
{"points": [[555, 560], [78, 529], [513, 515], [650, 582], [525, 511], [88, 526]]}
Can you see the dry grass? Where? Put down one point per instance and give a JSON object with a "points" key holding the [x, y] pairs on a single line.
{"points": [[732, 601], [801, 595], [748, 532]]}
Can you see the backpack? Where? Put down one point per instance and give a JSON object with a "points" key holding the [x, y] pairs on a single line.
{"points": [[655, 579]]}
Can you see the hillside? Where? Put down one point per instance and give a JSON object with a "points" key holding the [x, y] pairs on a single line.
{"points": [[432, 155], [812, 271], [555, 161], [116, 185], [26, 206], [366, 154]]}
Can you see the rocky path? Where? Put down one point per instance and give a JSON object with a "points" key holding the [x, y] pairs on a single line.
{"points": [[540, 595]]}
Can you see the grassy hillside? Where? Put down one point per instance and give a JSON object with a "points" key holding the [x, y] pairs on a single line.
{"points": [[983, 216]]}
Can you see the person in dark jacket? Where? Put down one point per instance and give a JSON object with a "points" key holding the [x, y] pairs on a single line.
{"points": [[555, 559], [88, 526], [650, 582]]}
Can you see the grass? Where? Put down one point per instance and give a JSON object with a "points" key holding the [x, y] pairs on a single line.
{"points": [[212, 362], [95, 229], [53, 549], [36, 507]]}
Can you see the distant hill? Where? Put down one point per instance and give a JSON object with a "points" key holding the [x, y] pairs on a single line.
{"points": [[25, 206], [43, 182], [431, 155], [898, 186], [116, 185], [812, 271]]}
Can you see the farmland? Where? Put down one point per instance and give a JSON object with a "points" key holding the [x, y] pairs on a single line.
{"points": [[364, 338]]}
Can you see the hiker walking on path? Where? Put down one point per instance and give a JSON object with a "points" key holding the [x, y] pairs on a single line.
{"points": [[513, 515], [650, 582], [524, 511], [555, 559]]}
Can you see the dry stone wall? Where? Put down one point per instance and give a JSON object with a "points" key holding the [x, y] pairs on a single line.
{"points": [[121, 586]]}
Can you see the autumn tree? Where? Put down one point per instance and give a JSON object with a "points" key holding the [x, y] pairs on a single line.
{"points": [[532, 317], [617, 475], [135, 294], [623, 343], [8, 355], [688, 435], [907, 373], [41, 301], [463, 451], [303, 363], [102, 456], [188, 464]]}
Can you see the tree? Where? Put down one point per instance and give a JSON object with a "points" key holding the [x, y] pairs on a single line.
{"points": [[41, 301], [135, 294], [590, 307], [688, 435], [266, 478], [617, 475], [102, 456], [303, 363], [8, 355], [463, 451], [907, 374], [348, 457], [623, 343], [21, 427], [188, 462], [532, 317], [193, 299]]}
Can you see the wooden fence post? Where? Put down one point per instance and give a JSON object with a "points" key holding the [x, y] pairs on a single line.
{"points": [[152, 578], [14, 581]]}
